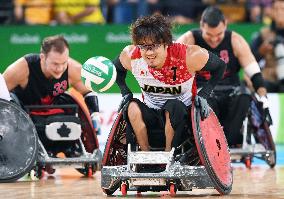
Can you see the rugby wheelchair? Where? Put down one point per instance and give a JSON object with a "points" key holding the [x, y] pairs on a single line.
{"points": [[66, 137], [18, 142], [257, 137], [209, 164]]}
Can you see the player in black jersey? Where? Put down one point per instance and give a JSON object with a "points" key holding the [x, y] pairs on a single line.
{"points": [[37, 79], [227, 100]]}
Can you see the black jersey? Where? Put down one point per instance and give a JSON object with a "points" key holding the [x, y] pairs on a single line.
{"points": [[39, 89], [225, 52]]}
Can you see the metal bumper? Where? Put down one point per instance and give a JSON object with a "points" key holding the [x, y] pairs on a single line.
{"points": [[250, 150], [78, 162], [189, 177]]}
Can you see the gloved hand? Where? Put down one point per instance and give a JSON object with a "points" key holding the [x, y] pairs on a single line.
{"points": [[263, 100], [265, 105], [202, 104], [95, 117], [126, 98]]}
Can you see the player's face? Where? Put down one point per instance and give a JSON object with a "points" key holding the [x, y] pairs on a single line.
{"points": [[55, 63], [213, 36], [153, 53]]}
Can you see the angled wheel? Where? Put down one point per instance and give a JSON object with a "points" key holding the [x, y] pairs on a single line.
{"points": [[270, 160], [123, 189], [108, 191], [116, 148], [172, 189], [88, 171], [18, 144], [213, 150], [261, 120], [248, 162]]}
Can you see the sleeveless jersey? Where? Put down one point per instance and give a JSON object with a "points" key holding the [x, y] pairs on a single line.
{"points": [[225, 52], [172, 81], [39, 89]]}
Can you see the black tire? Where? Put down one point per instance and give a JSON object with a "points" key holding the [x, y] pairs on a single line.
{"points": [[26, 144]]}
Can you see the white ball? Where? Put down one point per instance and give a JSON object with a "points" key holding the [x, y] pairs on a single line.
{"points": [[98, 74]]}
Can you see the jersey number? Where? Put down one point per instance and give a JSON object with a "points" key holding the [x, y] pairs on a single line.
{"points": [[175, 72], [60, 87]]}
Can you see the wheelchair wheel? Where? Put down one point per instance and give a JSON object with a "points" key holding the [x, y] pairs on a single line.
{"points": [[260, 120], [172, 190], [270, 160], [116, 148], [213, 150], [19, 143], [123, 189], [88, 171], [247, 161], [109, 192]]}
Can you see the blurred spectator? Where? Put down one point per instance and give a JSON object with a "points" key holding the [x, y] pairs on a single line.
{"points": [[234, 10], [259, 10], [6, 11], [78, 12], [268, 47], [181, 11], [33, 11], [126, 11]]}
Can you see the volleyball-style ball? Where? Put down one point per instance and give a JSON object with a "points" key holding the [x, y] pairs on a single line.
{"points": [[98, 73]]}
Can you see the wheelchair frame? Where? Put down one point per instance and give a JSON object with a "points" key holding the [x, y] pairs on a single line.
{"points": [[174, 177], [88, 161]]}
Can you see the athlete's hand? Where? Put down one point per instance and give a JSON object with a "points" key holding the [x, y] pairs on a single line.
{"points": [[96, 121], [203, 106], [265, 105], [263, 100], [126, 98]]}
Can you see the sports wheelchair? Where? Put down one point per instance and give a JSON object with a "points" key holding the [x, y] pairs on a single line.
{"points": [[123, 166], [18, 142], [257, 137], [66, 137]]}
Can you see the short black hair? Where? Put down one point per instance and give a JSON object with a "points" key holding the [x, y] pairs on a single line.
{"points": [[155, 27], [212, 16]]}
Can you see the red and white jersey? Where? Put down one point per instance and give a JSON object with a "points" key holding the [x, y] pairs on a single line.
{"points": [[172, 81]]}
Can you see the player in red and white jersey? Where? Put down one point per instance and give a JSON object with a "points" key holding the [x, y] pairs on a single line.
{"points": [[165, 72]]}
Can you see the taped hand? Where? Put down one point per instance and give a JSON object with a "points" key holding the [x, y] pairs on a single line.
{"points": [[265, 105], [263, 100], [203, 106]]}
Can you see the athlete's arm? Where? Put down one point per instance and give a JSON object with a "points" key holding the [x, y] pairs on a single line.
{"points": [[17, 74], [74, 76], [187, 38], [122, 64], [243, 52], [200, 59]]}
